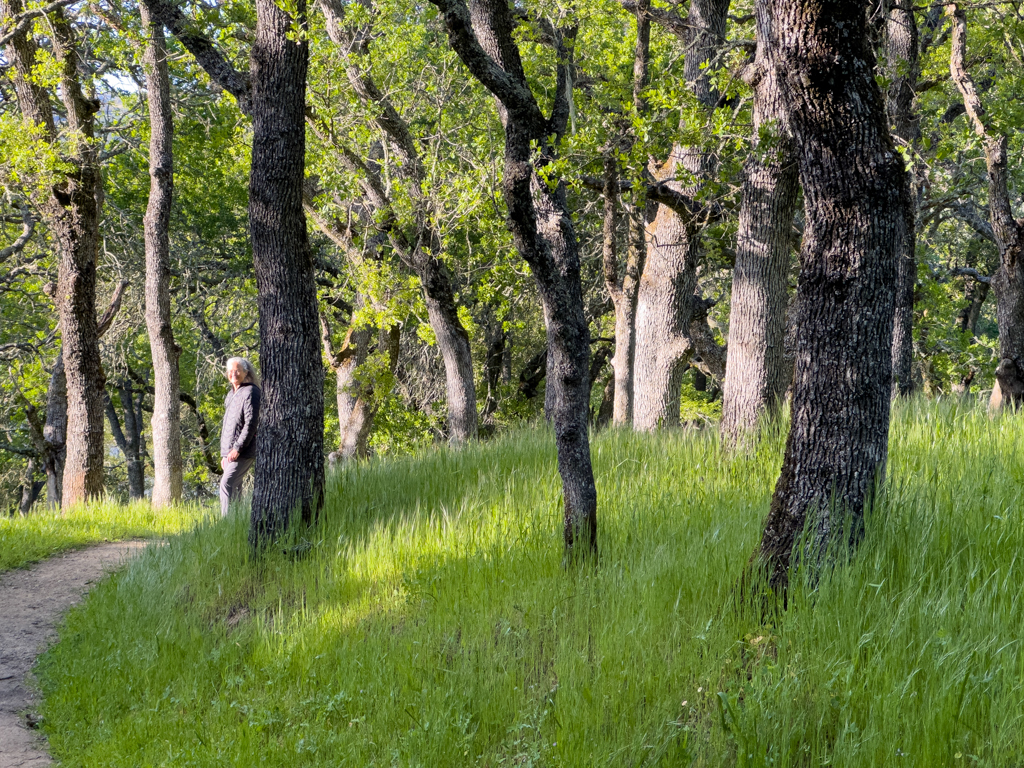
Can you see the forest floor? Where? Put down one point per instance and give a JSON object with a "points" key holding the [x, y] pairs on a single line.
{"points": [[31, 603]]}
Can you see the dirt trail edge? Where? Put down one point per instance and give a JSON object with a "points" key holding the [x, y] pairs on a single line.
{"points": [[31, 604]]}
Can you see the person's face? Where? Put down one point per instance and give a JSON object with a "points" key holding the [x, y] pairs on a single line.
{"points": [[235, 375]]}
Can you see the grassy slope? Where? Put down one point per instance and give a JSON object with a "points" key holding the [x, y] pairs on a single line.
{"points": [[25, 540], [431, 624]]}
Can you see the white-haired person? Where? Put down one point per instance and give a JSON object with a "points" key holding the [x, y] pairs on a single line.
{"points": [[238, 432]]}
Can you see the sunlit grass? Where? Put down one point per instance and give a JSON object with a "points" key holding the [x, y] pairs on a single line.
{"points": [[431, 622], [25, 540]]}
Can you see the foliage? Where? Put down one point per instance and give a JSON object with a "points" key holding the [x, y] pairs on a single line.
{"points": [[429, 620]]}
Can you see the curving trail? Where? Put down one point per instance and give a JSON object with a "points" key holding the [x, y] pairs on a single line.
{"points": [[31, 604]]}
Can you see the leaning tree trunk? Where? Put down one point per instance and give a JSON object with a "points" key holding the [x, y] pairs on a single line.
{"points": [[543, 231], [290, 441], [856, 195], [755, 373], [166, 421], [665, 304], [1008, 281], [902, 55]]}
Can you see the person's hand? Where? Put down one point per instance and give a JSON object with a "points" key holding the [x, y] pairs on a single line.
{"points": [[233, 455]]}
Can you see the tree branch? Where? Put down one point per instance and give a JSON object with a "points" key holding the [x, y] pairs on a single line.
{"points": [[23, 20], [206, 55]]}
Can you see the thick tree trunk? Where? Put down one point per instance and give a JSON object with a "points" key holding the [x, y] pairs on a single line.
{"points": [[902, 59], [667, 288], [755, 375], [1008, 281], [453, 341], [166, 421], [290, 443], [72, 215], [856, 195], [355, 399], [663, 314]]}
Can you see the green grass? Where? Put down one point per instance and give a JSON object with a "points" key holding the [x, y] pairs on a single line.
{"points": [[432, 624], [25, 540]]}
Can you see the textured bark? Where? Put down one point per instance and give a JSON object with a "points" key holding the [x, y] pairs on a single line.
{"points": [[166, 421], [1008, 281], [902, 59], [755, 375], [422, 249], [665, 304], [72, 215], [856, 194], [544, 235], [493, 366], [289, 473], [355, 401]]}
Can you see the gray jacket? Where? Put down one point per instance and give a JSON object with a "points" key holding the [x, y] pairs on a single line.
{"points": [[241, 419]]}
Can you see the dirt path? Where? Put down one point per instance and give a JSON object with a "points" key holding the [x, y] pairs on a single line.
{"points": [[31, 603]]}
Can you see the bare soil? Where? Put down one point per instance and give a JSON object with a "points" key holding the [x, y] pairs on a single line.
{"points": [[32, 602]]}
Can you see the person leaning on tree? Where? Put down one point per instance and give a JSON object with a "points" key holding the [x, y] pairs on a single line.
{"points": [[238, 432]]}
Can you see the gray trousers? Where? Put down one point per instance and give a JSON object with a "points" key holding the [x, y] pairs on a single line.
{"points": [[231, 482]]}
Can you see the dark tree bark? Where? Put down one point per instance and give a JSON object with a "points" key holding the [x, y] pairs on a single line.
{"points": [[665, 314], [30, 488], [1008, 281], [544, 235], [756, 370], [902, 59], [290, 442], [129, 439], [493, 362], [422, 249], [72, 215], [856, 195], [166, 421]]}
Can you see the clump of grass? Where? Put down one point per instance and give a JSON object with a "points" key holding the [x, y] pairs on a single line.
{"points": [[28, 539], [427, 620]]}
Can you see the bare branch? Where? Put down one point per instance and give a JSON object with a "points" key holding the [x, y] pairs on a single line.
{"points": [[971, 272], [28, 226]]}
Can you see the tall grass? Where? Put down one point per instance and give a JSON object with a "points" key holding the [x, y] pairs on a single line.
{"points": [[25, 540], [428, 621]]}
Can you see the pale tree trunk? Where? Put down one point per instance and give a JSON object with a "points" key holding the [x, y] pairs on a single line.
{"points": [[72, 215], [166, 421], [355, 399], [1008, 281], [902, 58], [665, 311], [290, 442], [624, 291], [856, 193], [420, 251], [544, 235], [755, 373]]}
